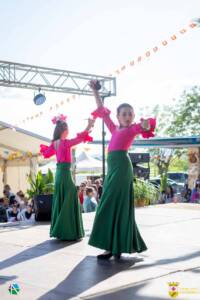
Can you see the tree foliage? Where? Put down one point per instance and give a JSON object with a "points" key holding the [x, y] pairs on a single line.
{"points": [[185, 114], [179, 119]]}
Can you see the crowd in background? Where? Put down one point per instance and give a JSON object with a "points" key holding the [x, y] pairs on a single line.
{"points": [[89, 193], [15, 207], [187, 194]]}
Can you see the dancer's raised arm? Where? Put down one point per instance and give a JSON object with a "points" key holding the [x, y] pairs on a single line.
{"points": [[94, 85], [82, 136], [101, 111]]}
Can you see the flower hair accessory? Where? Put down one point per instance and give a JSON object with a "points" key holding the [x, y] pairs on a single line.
{"points": [[60, 117]]}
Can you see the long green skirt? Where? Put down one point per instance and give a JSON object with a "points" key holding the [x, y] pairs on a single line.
{"points": [[114, 226], [66, 218]]}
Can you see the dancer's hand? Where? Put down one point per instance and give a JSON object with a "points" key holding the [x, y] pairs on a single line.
{"points": [[90, 124], [94, 85], [145, 125]]}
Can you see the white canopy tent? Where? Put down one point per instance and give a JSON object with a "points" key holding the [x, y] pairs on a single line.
{"points": [[50, 165], [86, 163], [19, 155]]}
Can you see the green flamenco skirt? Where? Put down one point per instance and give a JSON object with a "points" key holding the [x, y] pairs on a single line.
{"points": [[114, 227], [66, 218]]}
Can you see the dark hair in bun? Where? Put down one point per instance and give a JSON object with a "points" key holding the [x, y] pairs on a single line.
{"points": [[61, 126]]}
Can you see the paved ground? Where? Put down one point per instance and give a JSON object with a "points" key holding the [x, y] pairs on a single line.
{"points": [[49, 269]]}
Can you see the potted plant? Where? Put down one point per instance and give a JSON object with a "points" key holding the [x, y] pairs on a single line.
{"points": [[41, 192], [140, 192], [144, 193]]}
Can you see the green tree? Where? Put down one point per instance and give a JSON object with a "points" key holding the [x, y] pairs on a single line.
{"points": [[179, 119], [185, 114]]}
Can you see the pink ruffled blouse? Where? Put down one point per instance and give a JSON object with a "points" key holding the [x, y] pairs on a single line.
{"points": [[63, 151], [122, 138]]}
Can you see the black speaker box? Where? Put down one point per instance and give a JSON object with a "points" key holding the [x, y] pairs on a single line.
{"points": [[42, 206], [139, 157]]}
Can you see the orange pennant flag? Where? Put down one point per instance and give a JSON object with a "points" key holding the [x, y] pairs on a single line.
{"points": [[192, 25], [155, 49], [173, 37], [183, 31], [164, 43]]}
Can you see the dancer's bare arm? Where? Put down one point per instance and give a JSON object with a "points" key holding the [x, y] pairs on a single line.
{"points": [[93, 84], [90, 125]]}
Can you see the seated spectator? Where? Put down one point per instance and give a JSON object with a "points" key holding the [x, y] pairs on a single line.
{"points": [[89, 182], [6, 202], [81, 192], [22, 200], [13, 200], [167, 196], [99, 189], [7, 191], [195, 197], [13, 214], [95, 191], [186, 193], [89, 203], [3, 215], [27, 214]]}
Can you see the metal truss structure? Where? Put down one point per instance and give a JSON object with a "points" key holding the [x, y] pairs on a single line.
{"points": [[55, 80]]}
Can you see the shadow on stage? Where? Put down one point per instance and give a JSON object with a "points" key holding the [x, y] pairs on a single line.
{"points": [[34, 252], [88, 273]]}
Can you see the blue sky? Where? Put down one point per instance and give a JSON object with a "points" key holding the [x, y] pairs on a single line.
{"points": [[99, 37]]}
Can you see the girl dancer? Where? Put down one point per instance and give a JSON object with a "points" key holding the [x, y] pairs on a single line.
{"points": [[66, 219], [114, 228]]}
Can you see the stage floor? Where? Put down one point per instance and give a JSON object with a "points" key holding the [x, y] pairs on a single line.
{"points": [[48, 269]]}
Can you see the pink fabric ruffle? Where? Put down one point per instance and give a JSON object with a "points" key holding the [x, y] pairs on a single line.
{"points": [[149, 133], [46, 151], [100, 112], [85, 136]]}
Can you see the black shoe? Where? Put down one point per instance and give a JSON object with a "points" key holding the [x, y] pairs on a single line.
{"points": [[105, 255], [117, 256]]}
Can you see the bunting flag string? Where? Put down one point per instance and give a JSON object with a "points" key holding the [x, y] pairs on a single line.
{"points": [[50, 109], [18, 155], [146, 55]]}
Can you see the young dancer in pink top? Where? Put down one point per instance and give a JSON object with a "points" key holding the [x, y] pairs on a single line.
{"points": [[66, 219], [115, 229]]}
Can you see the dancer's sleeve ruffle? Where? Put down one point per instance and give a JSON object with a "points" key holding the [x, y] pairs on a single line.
{"points": [[104, 113], [100, 112], [150, 132], [47, 151], [84, 137]]}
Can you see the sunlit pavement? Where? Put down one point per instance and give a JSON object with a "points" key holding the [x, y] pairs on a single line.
{"points": [[46, 268]]}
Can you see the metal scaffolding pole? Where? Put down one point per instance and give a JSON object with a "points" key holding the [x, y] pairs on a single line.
{"points": [[55, 80], [50, 79]]}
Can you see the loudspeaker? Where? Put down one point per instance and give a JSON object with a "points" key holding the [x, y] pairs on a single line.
{"points": [[139, 157], [42, 206]]}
